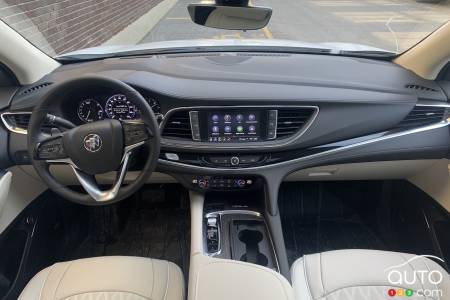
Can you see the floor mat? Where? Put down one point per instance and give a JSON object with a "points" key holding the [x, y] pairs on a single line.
{"points": [[154, 223], [315, 219]]}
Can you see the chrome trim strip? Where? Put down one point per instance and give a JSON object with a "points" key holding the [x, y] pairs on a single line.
{"points": [[9, 126], [90, 186], [205, 145], [422, 103], [276, 124], [233, 212], [191, 116], [325, 153]]}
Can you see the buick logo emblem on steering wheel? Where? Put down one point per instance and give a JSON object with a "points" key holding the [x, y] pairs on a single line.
{"points": [[92, 142]]}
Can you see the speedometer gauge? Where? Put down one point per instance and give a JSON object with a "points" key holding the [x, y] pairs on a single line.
{"points": [[89, 110], [120, 108]]}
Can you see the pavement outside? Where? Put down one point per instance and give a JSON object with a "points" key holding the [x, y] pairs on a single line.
{"points": [[393, 25]]}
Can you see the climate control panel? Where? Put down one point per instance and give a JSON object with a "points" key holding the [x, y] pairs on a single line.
{"points": [[224, 183]]}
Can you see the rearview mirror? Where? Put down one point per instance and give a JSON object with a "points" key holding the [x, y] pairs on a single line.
{"points": [[230, 17]]}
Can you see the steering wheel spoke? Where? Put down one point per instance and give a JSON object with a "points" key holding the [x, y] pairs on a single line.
{"points": [[91, 187]]}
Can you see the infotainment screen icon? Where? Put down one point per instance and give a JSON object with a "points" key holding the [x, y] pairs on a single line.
{"points": [[234, 126]]}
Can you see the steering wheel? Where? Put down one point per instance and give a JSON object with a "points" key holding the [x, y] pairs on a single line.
{"points": [[92, 148]]}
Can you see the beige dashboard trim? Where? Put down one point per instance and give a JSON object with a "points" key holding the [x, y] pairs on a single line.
{"points": [[435, 181], [27, 62], [429, 56], [379, 170], [18, 196]]}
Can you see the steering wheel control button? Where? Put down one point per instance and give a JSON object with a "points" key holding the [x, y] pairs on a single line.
{"points": [[272, 124], [234, 161], [92, 142], [51, 149], [134, 132], [195, 125]]}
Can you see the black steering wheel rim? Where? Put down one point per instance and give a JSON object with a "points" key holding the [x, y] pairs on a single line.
{"points": [[38, 118]]}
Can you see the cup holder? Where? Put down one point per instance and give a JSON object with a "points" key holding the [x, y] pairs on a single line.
{"points": [[251, 239]]}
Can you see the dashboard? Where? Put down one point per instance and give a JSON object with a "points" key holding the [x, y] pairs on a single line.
{"points": [[255, 115]]}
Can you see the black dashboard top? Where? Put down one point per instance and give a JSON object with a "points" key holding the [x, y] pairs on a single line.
{"points": [[348, 97], [234, 77]]}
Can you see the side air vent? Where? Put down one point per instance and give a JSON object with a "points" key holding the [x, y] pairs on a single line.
{"points": [[420, 88], [178, 126], [18, 122], [422, 116], [36, 88], [291, 120]]}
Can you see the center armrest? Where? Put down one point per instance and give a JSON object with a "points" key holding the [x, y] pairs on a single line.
{"points": [[223, 279]]}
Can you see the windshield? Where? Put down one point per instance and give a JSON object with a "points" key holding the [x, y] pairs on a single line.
{"points": [[61, 27]]}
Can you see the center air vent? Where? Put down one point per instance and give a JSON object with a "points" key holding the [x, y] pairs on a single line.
{"points": [[178, 126], [291, 120], [422, 116]]}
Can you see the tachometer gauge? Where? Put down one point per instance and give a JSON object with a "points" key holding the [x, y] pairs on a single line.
{"points": [[89, 110], [120, 108]]}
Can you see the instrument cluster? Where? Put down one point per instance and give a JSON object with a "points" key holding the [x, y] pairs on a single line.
{"points": [[91, 109]]}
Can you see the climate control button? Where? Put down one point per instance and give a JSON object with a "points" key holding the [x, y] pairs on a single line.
{"points": [[203, 183], [240, 183]]}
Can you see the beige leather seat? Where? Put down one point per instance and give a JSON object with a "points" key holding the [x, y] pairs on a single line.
{"points": [[367, 274], [111, 277]]}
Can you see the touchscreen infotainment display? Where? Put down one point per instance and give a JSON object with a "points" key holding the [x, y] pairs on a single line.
{"points": [[234, 127]]}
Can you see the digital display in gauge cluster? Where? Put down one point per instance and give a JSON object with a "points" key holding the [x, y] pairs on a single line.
{"points": [[234, 126], [112, 107]]}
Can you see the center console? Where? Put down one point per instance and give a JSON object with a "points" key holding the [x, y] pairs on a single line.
{"points": [[231, 251]]}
